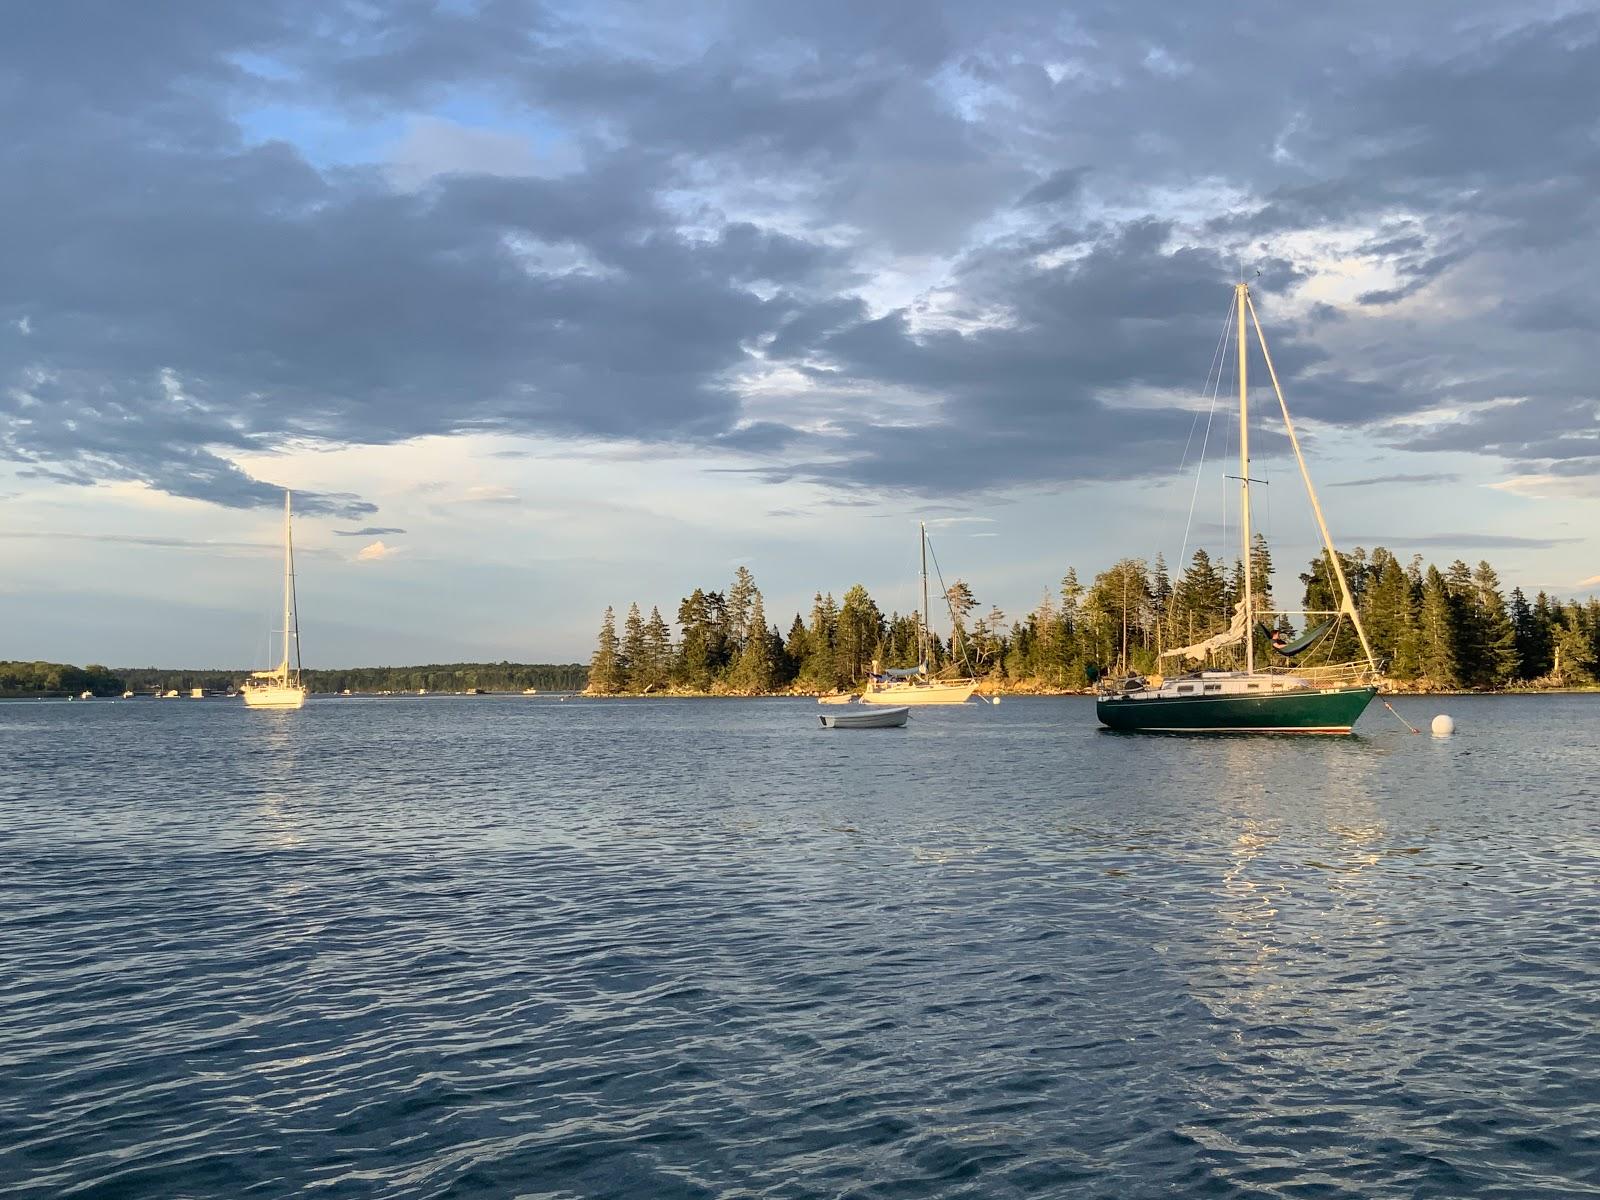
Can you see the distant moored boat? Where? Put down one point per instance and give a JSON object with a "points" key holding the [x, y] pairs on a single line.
{"points": [[283, 686]]}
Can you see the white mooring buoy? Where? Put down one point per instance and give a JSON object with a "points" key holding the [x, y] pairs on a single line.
{"points": [[1443, 725]]}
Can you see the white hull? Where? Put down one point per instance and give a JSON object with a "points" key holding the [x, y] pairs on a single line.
{"points": [[882, 718], [920, 693], [274, 696]]}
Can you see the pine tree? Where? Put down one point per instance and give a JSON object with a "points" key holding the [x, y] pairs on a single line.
{"points": [[694, 667], [1440, 660], [605, 671], [819, 669], [1498, 658], [857, 633], [741, 611], [1522, 630], [753, 674], [797, 647], [657, 664], [634, 656]]}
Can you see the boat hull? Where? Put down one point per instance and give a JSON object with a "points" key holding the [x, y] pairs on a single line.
{"points": [[918, 693], [1322, 710], [881, 718], [274, 697]]}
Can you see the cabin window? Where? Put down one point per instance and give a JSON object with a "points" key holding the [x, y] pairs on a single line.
{"points": [[1186, 689], [1254, 687], [1213, 687]]}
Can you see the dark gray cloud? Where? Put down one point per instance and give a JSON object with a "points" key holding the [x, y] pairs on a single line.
{"points": [[184, 284], [369, 531]]}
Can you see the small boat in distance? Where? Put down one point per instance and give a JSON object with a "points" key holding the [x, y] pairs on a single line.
{"points": [[914, 685], [873, 718], [1284, 699], [846, 698], [281, 687]]}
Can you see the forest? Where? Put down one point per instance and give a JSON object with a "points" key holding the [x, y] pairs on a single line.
{"points": [[1432, 629]]}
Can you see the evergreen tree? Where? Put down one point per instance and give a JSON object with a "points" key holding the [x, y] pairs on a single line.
{"points": [[857, 633], [605, 669], [1439, 624], [797, 648], [754, 673], [634, 657], [1389, 614], [1199, 601], [655, 669], [741, 609], [1499, 661], [694, 667], [1523, 633], [819, 672]]}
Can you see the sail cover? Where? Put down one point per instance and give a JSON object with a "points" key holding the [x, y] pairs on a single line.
{"points": [[1232, 635], [903, 672]]}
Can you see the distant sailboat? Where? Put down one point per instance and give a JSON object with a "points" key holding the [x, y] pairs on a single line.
{"points": [[282, 686], [1294, 699], [914, 685]]}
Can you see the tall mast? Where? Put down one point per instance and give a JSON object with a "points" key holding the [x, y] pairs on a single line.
{"points": [[288, 585], [1242, 292], [922, 648], [1347, 603]]}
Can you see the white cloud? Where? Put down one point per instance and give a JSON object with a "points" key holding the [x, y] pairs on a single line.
{"points": [[1589, 582], [375, 552]]}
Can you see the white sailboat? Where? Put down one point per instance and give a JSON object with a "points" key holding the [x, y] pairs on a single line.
{"points": [[914, 685], [282, 686]]}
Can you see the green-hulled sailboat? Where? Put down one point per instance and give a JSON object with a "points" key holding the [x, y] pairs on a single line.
{"points": [[1321, 699]]}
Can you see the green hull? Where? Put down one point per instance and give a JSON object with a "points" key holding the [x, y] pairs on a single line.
{"points": [[1332, 711]]}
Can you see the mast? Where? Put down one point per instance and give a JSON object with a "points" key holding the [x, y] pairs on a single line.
{"points": [[922, 648], [1242, 293], [288, 586], [1346, 600]]}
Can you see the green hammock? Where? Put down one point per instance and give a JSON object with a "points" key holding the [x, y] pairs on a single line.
{"points": [[1303, 642]]}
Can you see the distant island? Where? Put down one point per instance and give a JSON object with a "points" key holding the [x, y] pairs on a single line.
{"points": [[21, 679], [1437, 631]]}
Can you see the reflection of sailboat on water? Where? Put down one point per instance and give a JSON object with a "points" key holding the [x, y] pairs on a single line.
{"points": [[914, 685], [1323, 699], [282, 686]]}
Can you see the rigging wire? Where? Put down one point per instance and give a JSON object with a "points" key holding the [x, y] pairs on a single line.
{"points": [[1214, 383]]}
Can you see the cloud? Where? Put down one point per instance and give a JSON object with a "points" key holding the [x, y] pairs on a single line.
{"points": [[1589, 582], [368, 531], [961, 236], [1401, 477], [208, 545], [488, 494], [375, 552]]}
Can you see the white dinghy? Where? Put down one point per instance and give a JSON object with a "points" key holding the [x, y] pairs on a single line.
{"points": [[867, 718]]}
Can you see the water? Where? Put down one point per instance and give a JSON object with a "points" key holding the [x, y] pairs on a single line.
{"points": [[520, 947]]}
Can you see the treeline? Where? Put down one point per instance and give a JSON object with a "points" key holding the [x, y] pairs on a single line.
{"points": [[438, 677], [1435, 629], [57, 679], [725, 644]]}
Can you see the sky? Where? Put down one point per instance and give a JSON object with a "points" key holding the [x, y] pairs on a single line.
{"points": [[540, 307]]}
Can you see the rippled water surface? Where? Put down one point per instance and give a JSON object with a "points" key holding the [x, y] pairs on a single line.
{"points": [[522, 947]]}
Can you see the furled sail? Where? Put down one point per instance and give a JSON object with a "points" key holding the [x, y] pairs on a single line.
{"points": [[1230, 636], [902, 672]]}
